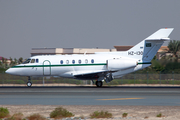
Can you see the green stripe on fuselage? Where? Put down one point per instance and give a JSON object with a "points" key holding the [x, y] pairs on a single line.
{"points": [[144, 63], [24, 66]]}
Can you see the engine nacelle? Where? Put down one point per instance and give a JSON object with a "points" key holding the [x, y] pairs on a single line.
{"points": [[120, 64]]}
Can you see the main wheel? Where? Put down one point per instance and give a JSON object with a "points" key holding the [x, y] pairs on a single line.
{"points": [[99, 83], [29, 84]]}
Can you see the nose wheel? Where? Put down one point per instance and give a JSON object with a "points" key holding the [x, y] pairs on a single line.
{"points": [[29, 84], [99, 83]]}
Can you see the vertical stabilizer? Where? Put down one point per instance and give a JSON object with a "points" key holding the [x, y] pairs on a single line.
{"points": [[147, 49]]}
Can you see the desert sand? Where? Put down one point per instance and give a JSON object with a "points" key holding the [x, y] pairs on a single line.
{"points": [[134, 112]]}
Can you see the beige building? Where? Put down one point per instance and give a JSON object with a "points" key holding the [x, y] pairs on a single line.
{"points": [[63, 51]]}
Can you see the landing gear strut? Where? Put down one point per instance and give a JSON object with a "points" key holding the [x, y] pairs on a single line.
{"points": [[99, 83], [29, 84]]}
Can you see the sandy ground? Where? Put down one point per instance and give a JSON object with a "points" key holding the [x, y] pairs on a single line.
{"points": [[134, 112]]}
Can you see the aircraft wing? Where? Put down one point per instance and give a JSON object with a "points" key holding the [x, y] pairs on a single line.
{"points": [[89, 75]]}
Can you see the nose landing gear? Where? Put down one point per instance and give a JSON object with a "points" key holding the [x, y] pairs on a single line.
{"points": [[29, 84]]}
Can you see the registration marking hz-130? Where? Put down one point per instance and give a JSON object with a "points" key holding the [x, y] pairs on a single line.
{"points": [[135, 53]]}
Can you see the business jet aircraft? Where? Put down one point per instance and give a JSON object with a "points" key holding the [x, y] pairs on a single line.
{"points": [[101, 66]]}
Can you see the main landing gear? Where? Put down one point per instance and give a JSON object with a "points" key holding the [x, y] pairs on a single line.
{"points": [[29, 84], [99, 83]]}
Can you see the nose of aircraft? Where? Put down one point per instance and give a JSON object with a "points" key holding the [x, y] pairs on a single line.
{"points": [[10, 71]]}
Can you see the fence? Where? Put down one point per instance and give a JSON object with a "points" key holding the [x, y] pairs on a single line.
{"points": [[129, 79]]}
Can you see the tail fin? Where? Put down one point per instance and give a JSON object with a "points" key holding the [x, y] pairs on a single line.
{"points": [[146, 49]]}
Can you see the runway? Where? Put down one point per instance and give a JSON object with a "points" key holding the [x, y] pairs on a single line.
{"points": [[136, 96]]}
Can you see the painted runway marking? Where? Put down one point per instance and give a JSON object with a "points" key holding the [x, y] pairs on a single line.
{"points": [[121, 99]]}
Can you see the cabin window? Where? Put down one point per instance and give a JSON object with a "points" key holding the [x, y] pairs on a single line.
{"points": [[37, 60], [79, 61], [73, 61], [61, 61], [67, 61], [33, 61], [92, 61], [86, 61], [27, 61]]}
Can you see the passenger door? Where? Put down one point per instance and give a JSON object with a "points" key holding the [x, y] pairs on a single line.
{"points": [[47, 68]]}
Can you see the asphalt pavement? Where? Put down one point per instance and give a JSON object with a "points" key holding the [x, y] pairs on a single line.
{"points": [[136, 96]]}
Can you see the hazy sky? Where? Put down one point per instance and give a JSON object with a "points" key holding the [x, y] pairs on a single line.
{"points": [[26, 24]]}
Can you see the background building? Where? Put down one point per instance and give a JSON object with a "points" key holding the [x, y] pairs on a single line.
{"points": [[62, 51]]}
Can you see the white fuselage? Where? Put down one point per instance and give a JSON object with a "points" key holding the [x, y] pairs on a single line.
{"points": [[71, 65]]}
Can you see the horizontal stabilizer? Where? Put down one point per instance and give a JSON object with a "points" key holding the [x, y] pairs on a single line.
{"points": [[162, 39], [161, 34]]}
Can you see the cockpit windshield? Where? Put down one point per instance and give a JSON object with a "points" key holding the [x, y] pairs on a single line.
{"points": [[31, 61], [27, 61]]}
